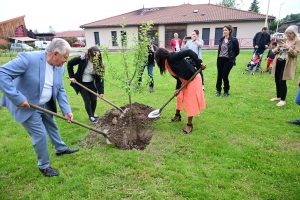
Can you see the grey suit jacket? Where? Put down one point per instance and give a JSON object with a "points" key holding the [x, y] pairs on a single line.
{"points": [[23, 78]]}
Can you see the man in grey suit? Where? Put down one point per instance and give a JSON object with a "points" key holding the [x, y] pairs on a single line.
{"points": [[37, 78]]}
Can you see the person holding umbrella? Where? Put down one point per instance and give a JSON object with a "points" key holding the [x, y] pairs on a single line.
{"points": [[192, 96]]}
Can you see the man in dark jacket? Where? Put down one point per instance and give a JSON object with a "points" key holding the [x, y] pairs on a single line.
{"points": [[261, 40]]}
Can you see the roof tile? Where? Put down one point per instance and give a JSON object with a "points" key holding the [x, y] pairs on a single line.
{"points": [[179, 14]]}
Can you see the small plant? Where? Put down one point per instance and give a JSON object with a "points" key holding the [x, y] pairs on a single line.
{"points": [[133, 58], [98, 65]]}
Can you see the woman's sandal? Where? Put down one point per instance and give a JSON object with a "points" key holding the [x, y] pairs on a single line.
{"points": [[185, 132], [176, 118]]}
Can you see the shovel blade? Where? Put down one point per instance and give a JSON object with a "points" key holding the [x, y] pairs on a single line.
{"points": [[154, 114]]}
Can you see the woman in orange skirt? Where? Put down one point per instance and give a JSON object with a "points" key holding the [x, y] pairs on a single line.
{"points": [[191, 97]]}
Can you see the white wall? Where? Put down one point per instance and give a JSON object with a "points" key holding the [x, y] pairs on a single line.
{"points": [[245, 33], [106, 37], [245, 30]]}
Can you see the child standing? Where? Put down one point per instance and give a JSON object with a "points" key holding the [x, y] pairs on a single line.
{"points": [[270, 56]]}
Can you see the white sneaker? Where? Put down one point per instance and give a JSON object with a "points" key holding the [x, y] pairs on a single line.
{"points": [[203, 88], [96, 116], [275, 99], [93, 120], [281, 103]]}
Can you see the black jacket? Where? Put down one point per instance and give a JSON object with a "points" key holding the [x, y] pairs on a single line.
{"points": [[258, 36], [82, 63], [233, 48], [181, 67], [151, 54]]}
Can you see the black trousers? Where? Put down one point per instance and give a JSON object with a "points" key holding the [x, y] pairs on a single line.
{"points": [[281, 88], [224, 66], [90, 100]]}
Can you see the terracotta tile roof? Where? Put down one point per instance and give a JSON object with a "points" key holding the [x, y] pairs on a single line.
{"points": [[6, 21], [67, 34], [185, 13]]}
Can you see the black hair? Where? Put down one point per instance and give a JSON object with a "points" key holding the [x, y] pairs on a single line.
{"points": [[196, 31], [160, 56], [274, 43], [264, 28]]}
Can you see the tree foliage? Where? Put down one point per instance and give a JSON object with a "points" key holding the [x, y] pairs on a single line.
{"points": [[71, 40], [51, 29], [291, 17], [231, 3], [133, 58], [254, 6]]}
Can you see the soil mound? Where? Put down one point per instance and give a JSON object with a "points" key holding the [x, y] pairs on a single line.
{"points": [[126, 130]]}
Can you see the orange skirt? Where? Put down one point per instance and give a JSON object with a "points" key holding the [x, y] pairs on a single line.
{"points": [[191, 98]]}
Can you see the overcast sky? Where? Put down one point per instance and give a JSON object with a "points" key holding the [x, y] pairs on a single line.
{"points": [[65, 15]]}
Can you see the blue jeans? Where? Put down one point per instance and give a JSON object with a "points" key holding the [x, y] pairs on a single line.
{"points": [[297, 99], [251, 66], [38, 126], [150, 66]]}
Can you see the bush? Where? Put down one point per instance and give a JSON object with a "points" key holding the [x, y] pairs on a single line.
{"points": [[32, 45], [5, 46], [71, 40]]}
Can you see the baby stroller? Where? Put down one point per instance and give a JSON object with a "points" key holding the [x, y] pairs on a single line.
{"points": [[254, 64]]}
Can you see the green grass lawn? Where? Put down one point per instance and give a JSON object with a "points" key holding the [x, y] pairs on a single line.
{"points": [[240, 148]]}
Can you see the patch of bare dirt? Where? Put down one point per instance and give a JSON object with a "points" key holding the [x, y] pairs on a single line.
{"points": [[126, 130]]}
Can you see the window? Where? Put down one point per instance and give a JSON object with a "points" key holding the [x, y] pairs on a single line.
{"points": [[97, 38], [151, 35], [171, 29], [114, 38], [235, 31], [124, 38], [219, 34], [205, 35]]}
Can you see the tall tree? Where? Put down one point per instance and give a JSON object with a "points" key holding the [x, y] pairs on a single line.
{"points": [[292, 17], [231, 3], [227, 3], [254, 6], [51, 29]]}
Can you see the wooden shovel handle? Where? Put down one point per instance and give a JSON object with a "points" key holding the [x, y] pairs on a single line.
{"points": [[65, 118], [183, 86], [91, 91]]}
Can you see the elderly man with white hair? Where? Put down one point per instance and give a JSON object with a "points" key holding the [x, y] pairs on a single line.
{"points": [[36, 77]]}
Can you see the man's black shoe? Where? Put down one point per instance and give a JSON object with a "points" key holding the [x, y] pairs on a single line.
{"points": [[49, 172], [218, 93], [296, 122], [68, 151], [225, 94]]}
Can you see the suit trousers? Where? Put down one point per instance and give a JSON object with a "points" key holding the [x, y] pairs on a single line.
{"points": [[38, 125]]}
